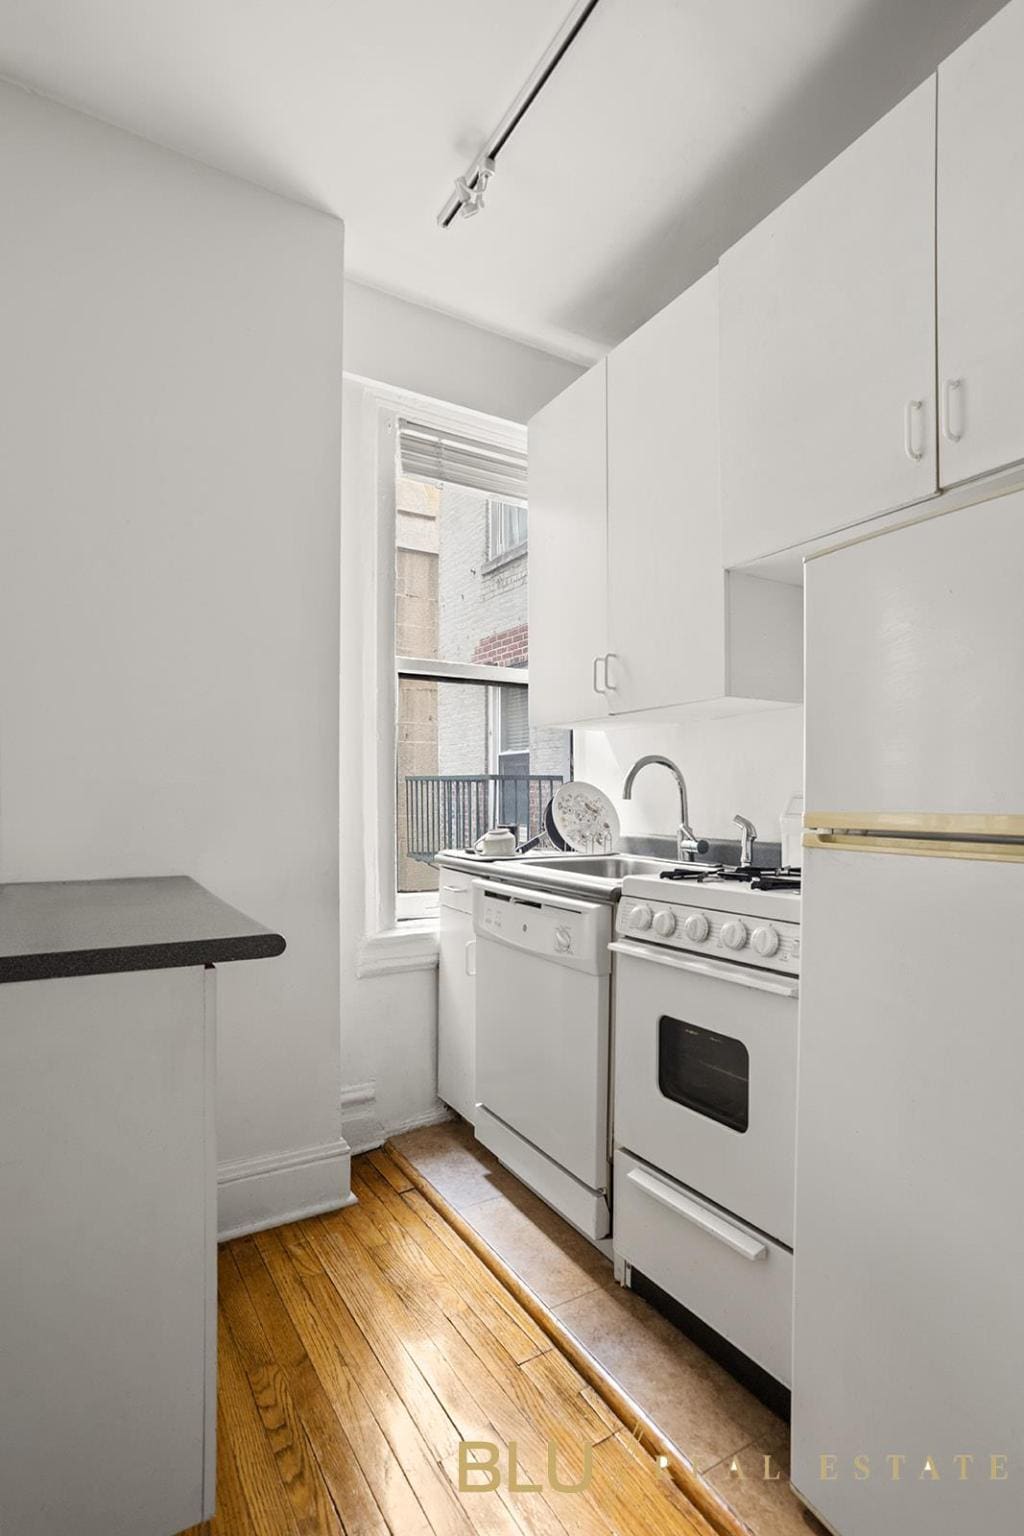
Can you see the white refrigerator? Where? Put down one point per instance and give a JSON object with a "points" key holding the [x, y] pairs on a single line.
{"points": [[909, 1251]]}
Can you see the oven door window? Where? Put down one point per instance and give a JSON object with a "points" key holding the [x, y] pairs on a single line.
{"points": [[706, 1072]]}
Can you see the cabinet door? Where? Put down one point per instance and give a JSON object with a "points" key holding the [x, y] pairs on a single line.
{"points": [[981, 250], [828, 345], [568, 587], [665, 577], [456, 1011]]}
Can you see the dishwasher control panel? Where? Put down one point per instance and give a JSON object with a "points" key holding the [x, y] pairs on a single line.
{"points": [[557, 928]]}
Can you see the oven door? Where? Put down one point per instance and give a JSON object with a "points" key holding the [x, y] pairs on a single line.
{"points": [[705, 1078]]}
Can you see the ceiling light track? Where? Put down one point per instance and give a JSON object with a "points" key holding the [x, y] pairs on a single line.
{"points": [[468, 196]]}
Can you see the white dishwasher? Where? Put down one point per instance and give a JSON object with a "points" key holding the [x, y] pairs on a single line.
{"points": [[542, 991]]}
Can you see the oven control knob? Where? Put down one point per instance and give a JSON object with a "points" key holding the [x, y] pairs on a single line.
{"points": [[734, 934], [665, 923], [697, 927], [563, 940], [765, 940], [640, 917]]}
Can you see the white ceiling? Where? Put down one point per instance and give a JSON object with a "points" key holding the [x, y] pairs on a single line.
{"points": [[671, 127]]}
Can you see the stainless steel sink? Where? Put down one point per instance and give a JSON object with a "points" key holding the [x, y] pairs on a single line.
{"points": [[607, 866], [595, 874]]}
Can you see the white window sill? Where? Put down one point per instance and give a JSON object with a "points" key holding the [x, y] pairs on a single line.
{"points": [[412, 946]]}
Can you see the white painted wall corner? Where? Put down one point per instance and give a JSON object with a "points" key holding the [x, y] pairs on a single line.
{"points": [[366, 1129]]}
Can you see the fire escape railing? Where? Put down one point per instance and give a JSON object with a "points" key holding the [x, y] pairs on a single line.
{"points": [[454, 810]]}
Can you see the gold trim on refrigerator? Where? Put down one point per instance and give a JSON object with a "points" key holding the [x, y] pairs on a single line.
{"points": [[916, 847], [941, 823]]}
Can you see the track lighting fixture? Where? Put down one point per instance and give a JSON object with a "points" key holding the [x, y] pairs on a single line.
{"points": [[470, 189], [468, 197]]}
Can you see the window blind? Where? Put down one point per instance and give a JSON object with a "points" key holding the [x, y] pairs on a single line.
{"points": [[514, 733], [429, 454], [506, 526]]}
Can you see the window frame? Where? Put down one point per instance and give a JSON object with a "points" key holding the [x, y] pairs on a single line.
{"points": [[499, 552], [389, 944]]}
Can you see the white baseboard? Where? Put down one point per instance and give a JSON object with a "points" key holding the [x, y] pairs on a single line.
{"points": [[259, 1192], [367, 1132]]}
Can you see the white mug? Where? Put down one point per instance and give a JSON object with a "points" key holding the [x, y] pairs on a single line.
{"points": [[497, 841]]}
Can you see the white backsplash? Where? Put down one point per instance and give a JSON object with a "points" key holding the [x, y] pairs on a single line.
{"points": [[751, 764]]}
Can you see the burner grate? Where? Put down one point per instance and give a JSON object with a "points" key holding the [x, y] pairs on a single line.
{"points": [[698, 876], [740, 874]]}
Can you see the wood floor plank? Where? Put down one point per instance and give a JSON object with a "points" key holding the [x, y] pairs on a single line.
{"points": [[563, 1386], [646, 1490], [269, 1511], [491, 1303], [514, 1407], [376, 1305], [386, 1429], [388, 1169], [362, 1325], [553, 1373], [353, 1395], [311, 1502], [359, 1349], [325, 1430], [469, 1268], [475, 1318], [232, 1516]]}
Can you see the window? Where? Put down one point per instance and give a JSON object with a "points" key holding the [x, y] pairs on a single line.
{"points": [[465, 756], [506, 527]]}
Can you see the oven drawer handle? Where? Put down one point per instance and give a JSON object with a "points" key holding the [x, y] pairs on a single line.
{"points": [[733, 973], [715, 1226]]}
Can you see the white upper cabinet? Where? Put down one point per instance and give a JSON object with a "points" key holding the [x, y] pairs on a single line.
{"points": [[665, 577], [828, 345], [568, 571], [981, 250], [631, 612]]}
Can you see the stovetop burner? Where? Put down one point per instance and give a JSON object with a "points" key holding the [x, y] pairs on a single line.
{"points": [[691, 872], [757, 879]]}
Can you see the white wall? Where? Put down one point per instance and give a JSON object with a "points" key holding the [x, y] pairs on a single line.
{"points": [[170, 402], [749, 764], [429, 353], [389, 1021]]}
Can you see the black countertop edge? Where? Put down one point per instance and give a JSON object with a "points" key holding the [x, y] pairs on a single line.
{"points": [[53, 929], [139, 957]]}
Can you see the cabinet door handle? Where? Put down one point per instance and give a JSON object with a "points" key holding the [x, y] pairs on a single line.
{"points": [[609, 685], [471, 958], [953, 391], [600, 661], [912, 414]]}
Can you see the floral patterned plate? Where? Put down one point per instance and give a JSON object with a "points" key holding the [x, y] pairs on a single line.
{"points": [[585, 818]]}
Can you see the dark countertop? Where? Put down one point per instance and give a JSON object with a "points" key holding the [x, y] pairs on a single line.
{"points": [[91, 927]]}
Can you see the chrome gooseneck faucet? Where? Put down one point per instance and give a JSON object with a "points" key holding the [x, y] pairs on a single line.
{"points": [[686, 844]]}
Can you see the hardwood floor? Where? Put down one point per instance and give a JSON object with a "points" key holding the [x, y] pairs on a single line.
{"points": [[358, 1350]]}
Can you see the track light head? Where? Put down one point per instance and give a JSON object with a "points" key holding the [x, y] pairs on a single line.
{"points": [[470, 190]]}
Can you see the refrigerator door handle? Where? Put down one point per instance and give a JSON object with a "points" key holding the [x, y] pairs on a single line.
{"points": [[916, 847]]}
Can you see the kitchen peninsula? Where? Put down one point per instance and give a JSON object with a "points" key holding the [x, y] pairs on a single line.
{"points": [[108, 1200]]}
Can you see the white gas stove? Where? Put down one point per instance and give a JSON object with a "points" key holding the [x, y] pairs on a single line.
{"points": [[706, 980], [750, 917]]}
